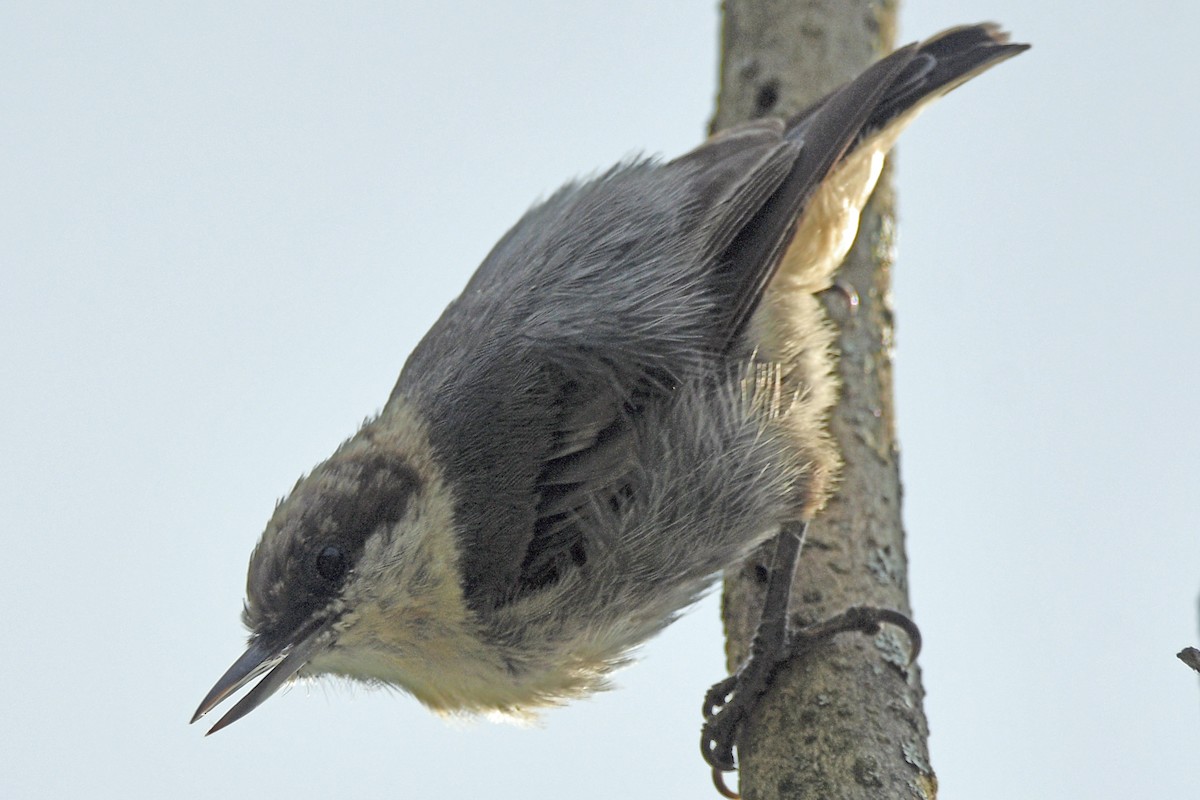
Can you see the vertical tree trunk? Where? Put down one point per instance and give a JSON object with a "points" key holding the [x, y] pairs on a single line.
{"points": [[845, 722]]}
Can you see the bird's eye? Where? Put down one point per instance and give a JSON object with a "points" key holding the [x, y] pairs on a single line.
{"points": [[331, 563]]}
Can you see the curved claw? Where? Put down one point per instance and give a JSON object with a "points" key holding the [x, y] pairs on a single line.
{"points": [[847, 291], [717, 696], [716, 740], [726, 706], [718, 779], [904, 623]]}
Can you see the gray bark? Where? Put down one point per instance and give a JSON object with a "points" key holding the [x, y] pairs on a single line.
{"points": [[845, 721]]}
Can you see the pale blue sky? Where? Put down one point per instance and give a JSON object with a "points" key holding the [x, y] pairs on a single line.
{"points": [[223, 227]]}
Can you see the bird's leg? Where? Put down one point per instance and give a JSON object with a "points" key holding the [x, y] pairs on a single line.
{"points": [[730, 702]]}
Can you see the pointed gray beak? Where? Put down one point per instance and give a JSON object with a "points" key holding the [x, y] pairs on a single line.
{"points": [[279, 662]]}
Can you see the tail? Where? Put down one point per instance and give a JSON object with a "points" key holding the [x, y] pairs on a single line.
{"points": [[802, 233], [920, 73], [808, 225]]}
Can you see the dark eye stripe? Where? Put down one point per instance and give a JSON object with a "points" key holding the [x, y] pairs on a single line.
{"points": [[304, 560]]}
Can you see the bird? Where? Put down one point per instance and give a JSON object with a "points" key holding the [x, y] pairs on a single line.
{"points": [[630, 395]]}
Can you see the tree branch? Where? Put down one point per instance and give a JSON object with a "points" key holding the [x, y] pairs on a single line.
{"points": [[845, 722]]}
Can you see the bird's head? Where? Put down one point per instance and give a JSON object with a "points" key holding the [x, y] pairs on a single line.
{"points": [[354, 575]]}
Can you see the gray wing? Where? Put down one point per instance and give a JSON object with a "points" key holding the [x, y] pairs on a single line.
{"points": [[890, 89], [594, 305], [603, 298]]}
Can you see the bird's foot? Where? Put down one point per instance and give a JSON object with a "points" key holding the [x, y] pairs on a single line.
{"points": [[731, 701]]}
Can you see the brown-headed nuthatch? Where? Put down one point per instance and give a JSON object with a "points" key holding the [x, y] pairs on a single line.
{"points": [[629, 396]]}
